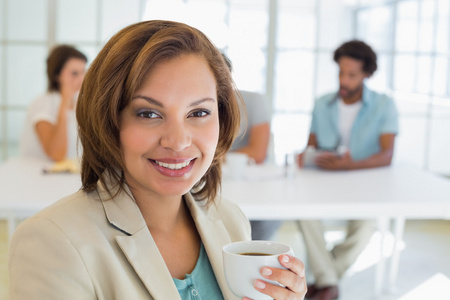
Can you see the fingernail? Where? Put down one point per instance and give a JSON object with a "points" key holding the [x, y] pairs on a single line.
{"points": [[266, 271], [259, 284], [285, 258]]}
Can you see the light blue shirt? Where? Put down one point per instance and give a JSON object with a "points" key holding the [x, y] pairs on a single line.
{"points": [[377, 116], [201, 284]]}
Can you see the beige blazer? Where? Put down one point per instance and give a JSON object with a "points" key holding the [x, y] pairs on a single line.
{"points": [[87, 246]]}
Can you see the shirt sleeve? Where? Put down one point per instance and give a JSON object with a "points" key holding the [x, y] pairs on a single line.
{"points": [[257, 109], [45, 108], [390, 124]]}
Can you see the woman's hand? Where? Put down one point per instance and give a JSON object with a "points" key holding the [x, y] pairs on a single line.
{"points": [[293, 279], [68, 93]]}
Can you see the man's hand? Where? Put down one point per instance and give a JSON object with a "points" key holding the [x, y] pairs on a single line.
{"points": [[331, 161]]}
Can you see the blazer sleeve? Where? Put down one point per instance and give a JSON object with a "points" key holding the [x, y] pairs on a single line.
{"points": [[44, 264]]}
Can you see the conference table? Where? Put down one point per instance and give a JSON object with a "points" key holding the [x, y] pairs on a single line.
{"points": [[389, 195]]}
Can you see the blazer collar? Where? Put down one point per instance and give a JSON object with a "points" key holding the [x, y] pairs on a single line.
{"points": [[138, 245], [141, 251]]}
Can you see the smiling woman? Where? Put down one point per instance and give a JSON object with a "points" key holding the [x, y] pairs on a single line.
{"points": [[157, 112], [170, 129]]}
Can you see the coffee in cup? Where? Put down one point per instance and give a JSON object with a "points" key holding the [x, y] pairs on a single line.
{"points": [[243, 262]]}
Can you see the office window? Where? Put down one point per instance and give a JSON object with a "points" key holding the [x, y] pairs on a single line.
{"points": [[25, 82], [33, 13], [295, 57], [442, 23], [280, 48], [407, 26], [439, 75], [380, 81], [28, 30], [296, 27], [192, 12], [248, 42], [237, 27], [418, 77], [117, 14], [2, 9], [76, 21], [405, 66], [294, 92], [375, 27]]}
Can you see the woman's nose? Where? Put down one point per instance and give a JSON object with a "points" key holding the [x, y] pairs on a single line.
{"points": [[177, 137]]}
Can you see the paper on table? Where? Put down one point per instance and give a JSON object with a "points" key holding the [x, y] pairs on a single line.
{"points": [[65, 166]]}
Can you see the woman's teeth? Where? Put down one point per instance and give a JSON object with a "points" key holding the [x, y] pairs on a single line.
{"points": [[173, 166]]}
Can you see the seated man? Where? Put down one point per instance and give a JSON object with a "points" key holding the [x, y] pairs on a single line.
{"points": [[364, 122], [253, 140]]}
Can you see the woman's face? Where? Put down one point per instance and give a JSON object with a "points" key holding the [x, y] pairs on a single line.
{"points": [[72, 74], [170, 129]]}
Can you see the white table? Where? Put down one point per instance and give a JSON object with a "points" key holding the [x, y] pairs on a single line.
{"points": [[25, 189], [387, 194]]}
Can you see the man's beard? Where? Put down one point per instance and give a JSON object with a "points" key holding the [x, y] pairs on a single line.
{"points": [[349, 94]]}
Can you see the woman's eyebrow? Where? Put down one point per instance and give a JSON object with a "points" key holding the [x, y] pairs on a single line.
{"points": [[198, 102], [148, 99], [160, 104]]}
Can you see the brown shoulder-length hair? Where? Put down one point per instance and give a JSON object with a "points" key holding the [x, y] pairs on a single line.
{"points": [[115, 75], [56, 60]]}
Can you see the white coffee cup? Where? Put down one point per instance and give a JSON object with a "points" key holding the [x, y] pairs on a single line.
{"points": [[236, 164], [242, 270]]}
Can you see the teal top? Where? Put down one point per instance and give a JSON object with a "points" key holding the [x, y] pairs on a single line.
{"points": [[202, 283], [377, 116]]}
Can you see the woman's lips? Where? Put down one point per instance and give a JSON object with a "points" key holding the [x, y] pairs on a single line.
{"points": [[173, 168]]}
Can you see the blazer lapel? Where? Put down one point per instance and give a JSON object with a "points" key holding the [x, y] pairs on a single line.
{"points": [[214, 236], [143, 254], [138, 245]]}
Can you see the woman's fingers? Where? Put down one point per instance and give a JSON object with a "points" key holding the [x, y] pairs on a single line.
{"points": [[292, 279]]}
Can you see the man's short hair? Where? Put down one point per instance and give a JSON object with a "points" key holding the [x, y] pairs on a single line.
{"points": [[360, 51]]}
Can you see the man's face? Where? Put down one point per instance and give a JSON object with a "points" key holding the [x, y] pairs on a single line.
{"points": [[351, 78]]}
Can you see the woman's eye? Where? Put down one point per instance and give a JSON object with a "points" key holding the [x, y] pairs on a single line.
{"points": [[148, 114], [200, 113]]}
